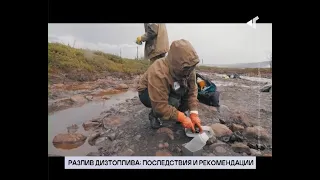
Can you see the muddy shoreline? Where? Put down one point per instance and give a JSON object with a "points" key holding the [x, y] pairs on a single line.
{"points": [[114, 122]]}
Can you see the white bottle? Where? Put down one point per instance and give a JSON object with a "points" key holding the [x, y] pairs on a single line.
{"points": [[198, 142]]}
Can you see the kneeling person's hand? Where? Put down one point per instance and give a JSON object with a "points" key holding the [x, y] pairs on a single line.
{"points": [[185, 121]]}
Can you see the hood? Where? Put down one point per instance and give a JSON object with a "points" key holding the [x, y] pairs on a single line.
{"points": [[182, 59]]}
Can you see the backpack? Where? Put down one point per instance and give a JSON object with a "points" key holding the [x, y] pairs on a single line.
{"points": [[209, 95]]}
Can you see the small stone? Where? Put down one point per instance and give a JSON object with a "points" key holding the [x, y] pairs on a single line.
{"points": [[255, 152], [111, 121], [112, 136], [93, 138], [166, 145], [90, 125], [240, 118], [73, 128], [163, 153], [78, 99], [267, 155], [251, 146], [240, 148], [260, 146], [220, 130], [128, 152], [220, 150], [204, 154], [177, 149], [257, 132], [222, 121], [131, 147], [99, 141], [237, 127], [106, 97], [165, 130], [160, 145], [210, 154], [211, 140], [89, 98], [93, 154], [122, 86]]}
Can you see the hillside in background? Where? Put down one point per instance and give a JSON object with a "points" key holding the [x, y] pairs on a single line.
{"points": [[67, 63], [264, 64], [84, 64]]}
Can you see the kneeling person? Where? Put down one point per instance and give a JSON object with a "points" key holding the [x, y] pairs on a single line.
{"points": [[169, 87]]}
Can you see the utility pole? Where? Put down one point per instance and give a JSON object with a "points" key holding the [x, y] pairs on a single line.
{"points": [[137, 52]]}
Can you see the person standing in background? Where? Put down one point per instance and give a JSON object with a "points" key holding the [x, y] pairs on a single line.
{"points": [[156, 41]]}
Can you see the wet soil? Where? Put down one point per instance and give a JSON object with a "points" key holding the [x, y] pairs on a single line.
{"points": [[122, 126]]}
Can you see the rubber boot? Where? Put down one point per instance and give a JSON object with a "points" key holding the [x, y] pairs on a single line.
{"points": [[154, 121]]}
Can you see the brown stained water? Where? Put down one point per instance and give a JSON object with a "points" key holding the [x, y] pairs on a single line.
{"points": [[59, 121]]}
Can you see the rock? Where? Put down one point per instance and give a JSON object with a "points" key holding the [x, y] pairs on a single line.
{"points": [[89, 98], [236, 136], [211, 140], [160, 146], [111, 121], [163, 153], [210, 154], [78, 99], [93, 138], [237, 127], [112, 136], [122, 86], [254, 152], [100, 140], [266, 88], [260, 146], [73, 128], [244, 154], [257, 132], [106, 97], [93, 154], [120, 133], [177, 149], [68, 141], [268, 155], [220, 150], [251, 146], [240, 118], [220, 130], [167, 131], [222, 121], [137, 137], [128, 152], [166, 145], [240, 148], [90, 125]]}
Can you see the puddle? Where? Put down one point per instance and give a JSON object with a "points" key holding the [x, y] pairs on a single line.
{"points": [[225, 83], [59, 121]]}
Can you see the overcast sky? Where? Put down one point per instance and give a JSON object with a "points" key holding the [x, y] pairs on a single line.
{"points": [[215, 43]]}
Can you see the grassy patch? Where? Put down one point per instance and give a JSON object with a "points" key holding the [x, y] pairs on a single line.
{"points": [[64, 59]]}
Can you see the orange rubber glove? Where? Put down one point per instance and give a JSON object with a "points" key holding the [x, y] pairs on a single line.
{"points": [[196, 121], [185, 121]]}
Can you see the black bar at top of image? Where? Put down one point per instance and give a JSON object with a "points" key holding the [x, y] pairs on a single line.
{"points": [[133, 12]]}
